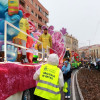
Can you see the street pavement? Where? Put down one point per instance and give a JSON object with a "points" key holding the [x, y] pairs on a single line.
{"points": [[75, 86]]}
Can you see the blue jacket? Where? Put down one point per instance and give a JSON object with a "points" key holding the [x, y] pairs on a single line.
{"points": [[65, 69]]}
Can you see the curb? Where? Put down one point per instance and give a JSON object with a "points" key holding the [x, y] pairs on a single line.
{"points": [[79, 90]]}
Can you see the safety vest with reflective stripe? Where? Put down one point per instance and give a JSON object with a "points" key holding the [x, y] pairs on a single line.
{"points": [[48, 85]]}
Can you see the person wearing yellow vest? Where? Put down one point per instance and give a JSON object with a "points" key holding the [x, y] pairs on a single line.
{"points": [[50, 80], [46, 39], [21, 37]]}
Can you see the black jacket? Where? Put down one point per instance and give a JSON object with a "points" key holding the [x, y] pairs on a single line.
{"points": [[67, 76]]}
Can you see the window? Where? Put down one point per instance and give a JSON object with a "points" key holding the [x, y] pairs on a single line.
{"points": [[39, 26], [43, 13], [36, 24], [22, 2], [68, 40], [32, 20], [40, 18], [45, 22], [27, 8], [32, 12], [35, 5], [35, 14], [46, 15], [40, 9], [31, 1]]}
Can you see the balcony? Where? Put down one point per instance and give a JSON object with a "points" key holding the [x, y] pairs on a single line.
{"points": [[40, 18]]}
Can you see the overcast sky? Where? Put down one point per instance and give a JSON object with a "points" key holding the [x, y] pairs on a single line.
{"points": [[80, 17]]}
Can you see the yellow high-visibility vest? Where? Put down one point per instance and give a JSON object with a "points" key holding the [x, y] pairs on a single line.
{"points": [[65, 87], [48, 85]]}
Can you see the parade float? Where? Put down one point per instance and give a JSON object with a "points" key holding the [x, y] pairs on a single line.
{"points": [[75, 60], [16, 77]]}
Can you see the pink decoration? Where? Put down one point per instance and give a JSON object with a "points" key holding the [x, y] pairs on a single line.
{"points": [[51, 28], [15, 78], [64, 31], [37, 33], [58, 46]]}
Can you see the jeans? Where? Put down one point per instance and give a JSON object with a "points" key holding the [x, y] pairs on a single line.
{"points": [[69, 82]]}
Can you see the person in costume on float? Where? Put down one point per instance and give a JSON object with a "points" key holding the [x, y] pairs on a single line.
{"points": [[46, 39], [21, 37], [50, 79]]}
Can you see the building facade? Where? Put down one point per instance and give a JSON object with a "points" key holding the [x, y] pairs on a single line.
{"points": [[39, 14], [90, 52], [71, 43]]}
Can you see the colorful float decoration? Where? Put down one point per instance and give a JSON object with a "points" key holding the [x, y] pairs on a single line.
{"points": [[19, 77]]}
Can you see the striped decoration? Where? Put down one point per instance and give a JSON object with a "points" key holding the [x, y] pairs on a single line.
{"points": [[13, 7]]}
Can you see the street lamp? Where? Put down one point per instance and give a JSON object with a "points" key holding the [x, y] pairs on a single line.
{"points": [[89, 50]]}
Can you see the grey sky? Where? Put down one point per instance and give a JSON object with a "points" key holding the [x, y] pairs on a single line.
{"points": [[80, 17]]}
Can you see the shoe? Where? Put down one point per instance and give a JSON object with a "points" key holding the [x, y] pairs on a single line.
{"points": [[66, 97]]}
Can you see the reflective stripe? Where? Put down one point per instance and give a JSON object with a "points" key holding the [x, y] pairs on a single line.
{"points": [[45, 89], [45, 82]]}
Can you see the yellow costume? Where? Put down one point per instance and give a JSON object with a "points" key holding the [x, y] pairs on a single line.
{"points": [[24, 26], [46, 40]]}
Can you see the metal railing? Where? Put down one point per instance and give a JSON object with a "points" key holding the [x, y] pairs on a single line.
{"points": [[7, 42], [17, 45]]}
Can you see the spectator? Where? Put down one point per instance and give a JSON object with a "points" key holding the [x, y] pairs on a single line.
{"points": [[66, 69]]}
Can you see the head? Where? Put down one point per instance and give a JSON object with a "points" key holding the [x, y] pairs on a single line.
{"points": [[53, 59], [45, 31], [66, 63]]}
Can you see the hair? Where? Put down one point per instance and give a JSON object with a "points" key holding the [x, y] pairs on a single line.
{"points": [[66, 62]]}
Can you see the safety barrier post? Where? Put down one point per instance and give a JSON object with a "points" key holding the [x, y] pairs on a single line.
{"points": [[5, 42]]}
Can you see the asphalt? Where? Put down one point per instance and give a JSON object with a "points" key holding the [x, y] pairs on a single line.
{"points": [[75, 87]]}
